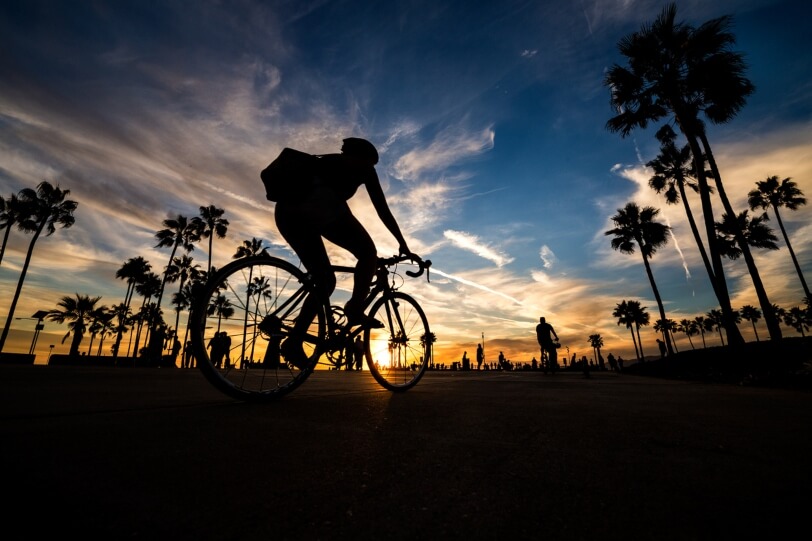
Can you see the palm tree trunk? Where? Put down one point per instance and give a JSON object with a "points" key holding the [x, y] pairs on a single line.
{"points": [[786, 241], [640, 342], [20, 282], [5, 241], [718, 278], [656, 291], [754, 330], [766, 306], [634, 341], [697, 237]]}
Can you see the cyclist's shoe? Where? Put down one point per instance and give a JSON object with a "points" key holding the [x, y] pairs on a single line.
{"points": [[294, 354]]}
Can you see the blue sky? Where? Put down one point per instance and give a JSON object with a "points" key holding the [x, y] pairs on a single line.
{"points": [[489, 120]]}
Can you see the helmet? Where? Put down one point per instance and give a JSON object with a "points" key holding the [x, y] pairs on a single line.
{"points": [[360, 148]]}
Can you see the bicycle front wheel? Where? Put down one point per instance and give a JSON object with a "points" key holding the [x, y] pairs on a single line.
{"points": [[240, 318], [398, 353]]}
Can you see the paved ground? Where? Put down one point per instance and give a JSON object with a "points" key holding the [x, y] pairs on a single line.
{"points": [[159, 454]]}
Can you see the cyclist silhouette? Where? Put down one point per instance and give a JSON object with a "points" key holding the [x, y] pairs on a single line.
{"points": [[320, 211], [544, 335]]}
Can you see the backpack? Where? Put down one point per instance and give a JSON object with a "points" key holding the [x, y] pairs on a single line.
{"points": [[289, 176]]}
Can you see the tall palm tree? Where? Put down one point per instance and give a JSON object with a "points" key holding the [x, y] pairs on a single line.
{"points": [[624, 317], [178, 232], [77, 311], [673, 171], [703, 325], [222, 307], [97, 319], [248, 248], [147, 288], [755, 233], [48, 208], [734, 238], [771, 193], [666, 328], [181, 270], [799, 319], [210, 223], [596, 341], [677, 72], [134, 271], [715, 318], [751, 314], [637, 227], [640, 318], [123, 319], [12, 212], [689, 328]]}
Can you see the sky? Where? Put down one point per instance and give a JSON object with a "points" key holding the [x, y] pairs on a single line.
{"points": [[489, 118]]}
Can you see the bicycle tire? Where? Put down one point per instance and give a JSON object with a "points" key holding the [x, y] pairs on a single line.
{"points": [[259, 319], [398, 353]]}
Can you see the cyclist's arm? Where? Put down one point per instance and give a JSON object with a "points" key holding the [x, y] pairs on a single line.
{"points": [[378, 199]]}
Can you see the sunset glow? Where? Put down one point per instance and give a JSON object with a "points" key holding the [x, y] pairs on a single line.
{"points": [[489, 119]]}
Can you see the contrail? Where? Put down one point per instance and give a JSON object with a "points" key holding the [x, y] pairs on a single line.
{"points": [[478, 286]]}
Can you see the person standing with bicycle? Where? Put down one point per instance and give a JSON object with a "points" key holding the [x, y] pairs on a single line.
{"points": [[316, 209]]}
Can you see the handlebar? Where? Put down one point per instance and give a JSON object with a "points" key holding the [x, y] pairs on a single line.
{"points": [[423, 265]]}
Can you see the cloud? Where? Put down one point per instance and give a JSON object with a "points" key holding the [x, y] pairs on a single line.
{"points": [[451, 146], [547, 256], [474, 244]]}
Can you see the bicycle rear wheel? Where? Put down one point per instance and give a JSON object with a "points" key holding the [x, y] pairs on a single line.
{"points": [[238, 321], [398, 353]]}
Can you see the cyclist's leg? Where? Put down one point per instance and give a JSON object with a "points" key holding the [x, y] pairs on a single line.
{"points": [[302, 232], [348, 233]]}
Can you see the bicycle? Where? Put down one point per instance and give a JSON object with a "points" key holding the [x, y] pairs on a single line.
{"points": [[248, 308]]}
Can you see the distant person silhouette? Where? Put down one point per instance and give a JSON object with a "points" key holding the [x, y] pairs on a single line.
{"points": [[480, 356], [466, 362], [358, 353], [188, 359], [663, 349], [544, 335], [175, 349], [612, 362], [315, 209]]}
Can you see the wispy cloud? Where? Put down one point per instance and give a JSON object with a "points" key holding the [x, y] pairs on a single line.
{"points": [[474, 244], [451, 146]]}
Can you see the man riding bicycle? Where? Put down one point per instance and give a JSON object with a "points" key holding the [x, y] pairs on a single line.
{"points": [[319, 210]]}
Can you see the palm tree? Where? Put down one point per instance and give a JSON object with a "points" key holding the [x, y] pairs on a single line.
{"points": [[716, 322], [635, 226], [640, 318], [666, 328], [97, 319], [678, 72], [134, 271], [751, 314], [596, 341], [703, 325], [147, 288], [47, 207], [734, 238], [178, 232], [75, 310], [690, 328], [210, 223], [106, 327], [123, 317], [799, 319], [755, 233], [181, 270], [771, 193], [673, 171], [222, 307], [12, 212], [624, 317]]}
